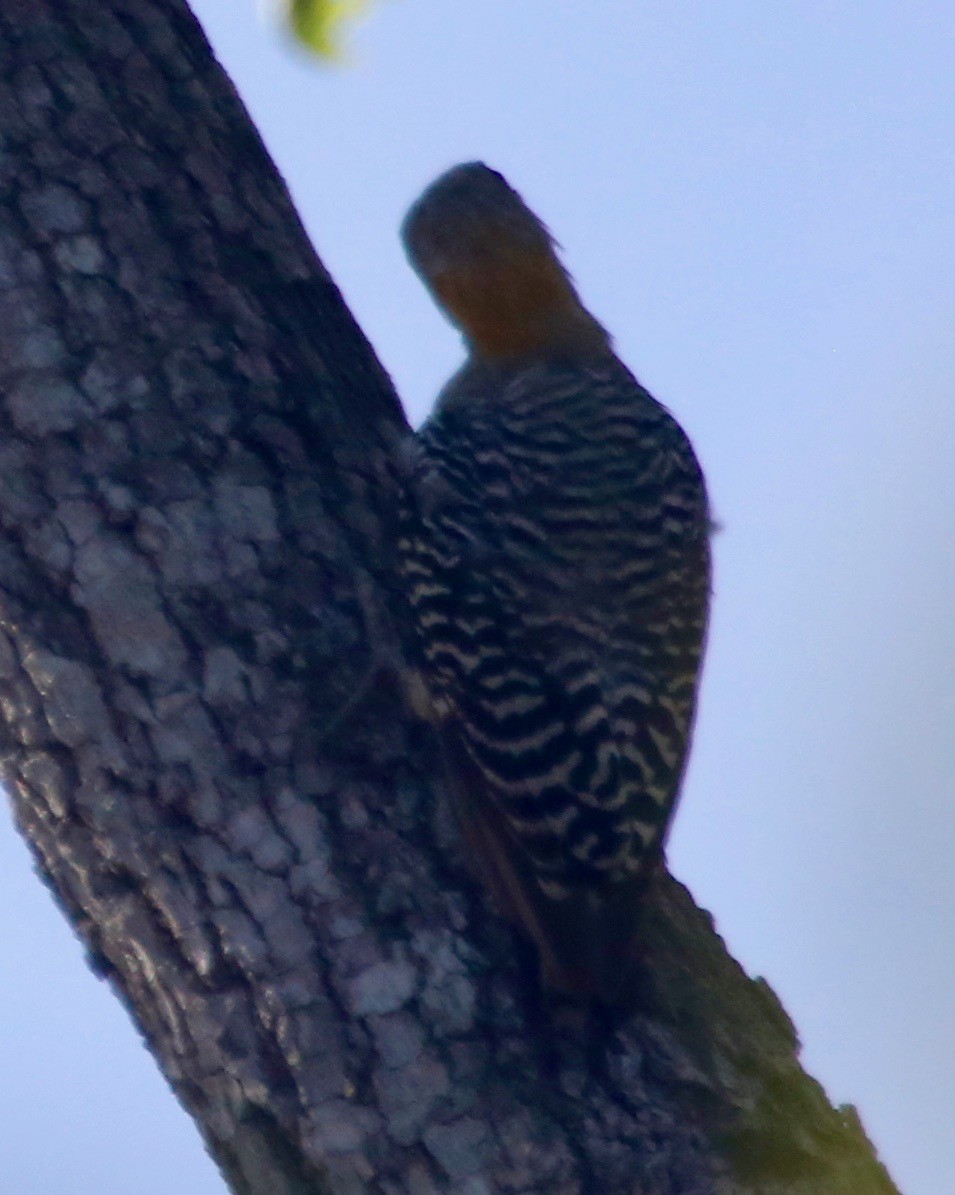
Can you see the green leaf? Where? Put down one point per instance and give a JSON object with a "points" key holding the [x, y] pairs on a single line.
{"points": [[318, 23]]}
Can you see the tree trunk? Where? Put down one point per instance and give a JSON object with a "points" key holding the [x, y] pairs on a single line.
{"points": [[196, 496]]}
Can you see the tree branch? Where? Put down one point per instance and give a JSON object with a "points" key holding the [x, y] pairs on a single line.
{"points": [[196, 497]]}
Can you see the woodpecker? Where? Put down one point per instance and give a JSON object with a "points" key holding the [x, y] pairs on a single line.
{"points": [[555, 553]]}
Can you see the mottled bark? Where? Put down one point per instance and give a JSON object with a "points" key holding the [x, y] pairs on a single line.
{"points": [[195, 576]]}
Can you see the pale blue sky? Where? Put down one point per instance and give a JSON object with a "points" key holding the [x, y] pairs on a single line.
{"points": [[757, 200]]}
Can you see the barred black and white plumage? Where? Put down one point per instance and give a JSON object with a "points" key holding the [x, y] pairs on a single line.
{"points": [[556, 555]]}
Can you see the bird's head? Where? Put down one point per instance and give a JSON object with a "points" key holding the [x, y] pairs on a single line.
{"points": [[491, 265]]}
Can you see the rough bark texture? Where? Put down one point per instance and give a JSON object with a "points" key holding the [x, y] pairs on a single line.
{"points": [[194, 576]]}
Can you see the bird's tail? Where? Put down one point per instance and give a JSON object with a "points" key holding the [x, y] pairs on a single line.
{"points": [[589, 943]]}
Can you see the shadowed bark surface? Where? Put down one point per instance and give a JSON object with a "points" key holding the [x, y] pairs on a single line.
{"points": [[196, 499]]}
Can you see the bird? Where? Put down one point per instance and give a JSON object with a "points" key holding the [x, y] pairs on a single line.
{"points": [[555, 554]]}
